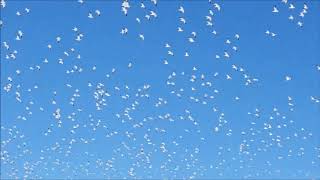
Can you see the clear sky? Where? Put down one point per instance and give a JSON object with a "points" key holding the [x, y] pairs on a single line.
{"points": [[167, 89]]}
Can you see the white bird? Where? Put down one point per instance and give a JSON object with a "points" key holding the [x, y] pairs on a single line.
{"points": [[180, 29], [154, 2], [275, 9], [291, 6], [288, 78], [290, 17], [234, 67], [138, 20], [18, 38], [228, 77], [3, 3], [142, 5], [152, 13], [299, 23], [226, 54], [5, 44], [90, 15], [124, 10], [165, 62], [130, 65], [186, 54], [183, 20], [18, 13], [235, 48], [98, 12], [217, 6], [58, 39], [141, 36], [214, 32], [191, 40], [209, 23], [237, 36], [211, 12], [170, 53], [181, 9], [124, 31], [305, 6], [301, 14], [167, 45], [27, 10], [20, 33]]}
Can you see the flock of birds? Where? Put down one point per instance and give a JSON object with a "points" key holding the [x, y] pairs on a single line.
{"points": [[110, 128]]}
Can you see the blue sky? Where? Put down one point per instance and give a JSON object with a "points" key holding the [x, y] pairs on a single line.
{"points": [[115, 109]]}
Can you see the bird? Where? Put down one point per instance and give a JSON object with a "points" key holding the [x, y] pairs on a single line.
{"points": [[183, 20], [291, 6], [58, 39], [124, 31], [290, 17], [181, 9], [217, 6], [141, 36], [288, 78], [130, 65], [275, 9], [191, 40], [180, 29], [90, 15], [98, 13]]}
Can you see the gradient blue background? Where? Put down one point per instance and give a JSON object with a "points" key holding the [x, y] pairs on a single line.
{"points": [[294, 51]]}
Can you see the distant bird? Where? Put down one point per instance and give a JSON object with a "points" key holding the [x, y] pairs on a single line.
{"points": [[142, 5], [124, 31], [291, 6], [181, 9], [275, 9], [152, 13], [217, 6], [290, 17], [141, 36], [180, 29], [58, 39], [90, 15], [191, 40], [183, 20], [98, 12], [288, 78]]}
